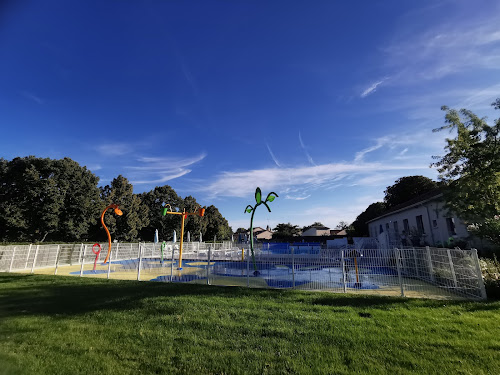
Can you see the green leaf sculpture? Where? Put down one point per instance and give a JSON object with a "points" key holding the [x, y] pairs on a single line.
{"points": [[251, 209]]}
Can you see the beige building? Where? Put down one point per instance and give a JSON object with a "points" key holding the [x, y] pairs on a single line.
{"points": [[316, 231], [420, 221]]}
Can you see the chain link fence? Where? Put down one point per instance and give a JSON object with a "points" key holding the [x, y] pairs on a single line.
{"points": [[409, 271]]}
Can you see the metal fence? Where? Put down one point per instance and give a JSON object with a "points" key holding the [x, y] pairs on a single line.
{"points": [[411, 272]]}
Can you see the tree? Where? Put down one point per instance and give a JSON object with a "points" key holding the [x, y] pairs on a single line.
{"points": [[135, 213], [166, 225], [285, 231], [42, 198], [406, 188], [360, 226], [471, 170], [343, 225], [216, 225]]}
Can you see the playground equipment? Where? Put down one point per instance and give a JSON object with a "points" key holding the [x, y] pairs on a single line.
{"points": [[96, 254], [117, 212], [163, 245], [258, 198], [168, 210]]}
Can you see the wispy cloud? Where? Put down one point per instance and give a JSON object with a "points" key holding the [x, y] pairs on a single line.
{"points": [[31, 96], [372, 88], [114, 149], [296, 198], [154, 170], [453, 46], [302, 179], [309, 158], [272, 156]]}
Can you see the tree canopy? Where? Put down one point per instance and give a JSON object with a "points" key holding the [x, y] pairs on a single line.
{"points": [[42, 199], [284, 231], [406, 188], [471, 170], [360, 227]]}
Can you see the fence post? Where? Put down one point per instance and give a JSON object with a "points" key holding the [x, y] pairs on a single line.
{"points": [[293, 268], [452, 268], [429, 261], [116, 252], [343, 271], [80, 254], [28, 257], [83, 260], [396, 252], [140, 263], [12, 260], [34, 258], [475, 258], [57, 258], [208, 267], [416, 263]]}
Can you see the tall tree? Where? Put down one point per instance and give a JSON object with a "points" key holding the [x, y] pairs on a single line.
{"points": [[406, 188], [360, 226], [41, 199], [284, 231], [135, 213], [216, 225], [471, 170], [166, 225]]}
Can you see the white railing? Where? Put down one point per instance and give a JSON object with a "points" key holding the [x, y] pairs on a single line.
{"points": [[411, 272]]}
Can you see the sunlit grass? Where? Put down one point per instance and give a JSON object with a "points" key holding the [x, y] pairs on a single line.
{"points": [[70, 325]]}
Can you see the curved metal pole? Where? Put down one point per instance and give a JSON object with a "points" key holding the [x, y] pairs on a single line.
{"points": [[115, 206]]}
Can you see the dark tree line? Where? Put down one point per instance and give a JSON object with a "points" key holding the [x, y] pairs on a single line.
{"points": [[43, 199]]}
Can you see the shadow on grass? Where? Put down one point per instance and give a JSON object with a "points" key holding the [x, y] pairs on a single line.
{"points": [[59, 296]]}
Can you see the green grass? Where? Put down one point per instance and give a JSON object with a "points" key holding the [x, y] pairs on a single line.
{"points": [[65, 325]]}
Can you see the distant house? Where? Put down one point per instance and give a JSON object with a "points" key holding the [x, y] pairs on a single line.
{"points": [[418, 222], [316, 231], [338, 232], [263, 234]]}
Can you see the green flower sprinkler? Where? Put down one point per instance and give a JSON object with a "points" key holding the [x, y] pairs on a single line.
{"points": [[258, 198]]}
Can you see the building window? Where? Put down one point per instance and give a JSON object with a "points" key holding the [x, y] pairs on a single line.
{"points": [[420, 224], [381, 229], [396, 229], [406, 226], [450, 223]]}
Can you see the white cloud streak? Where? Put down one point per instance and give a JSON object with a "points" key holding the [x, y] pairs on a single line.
{"points": [[309, 158], [160, 170], [33, 97], [372, 88], [272, 156], [114, 149], [241, 184]]}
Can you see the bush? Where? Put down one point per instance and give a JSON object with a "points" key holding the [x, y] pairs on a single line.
{"points": [[490, 268]]}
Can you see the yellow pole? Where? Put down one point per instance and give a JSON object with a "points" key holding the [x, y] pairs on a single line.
{"points": [[242, 255], [182, 240]]}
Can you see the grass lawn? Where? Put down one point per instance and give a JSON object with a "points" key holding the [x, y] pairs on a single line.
{"points": [[68, 325]]}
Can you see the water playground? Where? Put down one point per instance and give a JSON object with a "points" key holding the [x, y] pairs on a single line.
{"points": [[411, 272]]}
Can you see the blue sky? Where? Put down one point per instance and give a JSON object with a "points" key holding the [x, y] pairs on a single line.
{"points": [[326, 103]]}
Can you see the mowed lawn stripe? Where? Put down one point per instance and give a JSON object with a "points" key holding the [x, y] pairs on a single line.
{"points": [[63, 325]]}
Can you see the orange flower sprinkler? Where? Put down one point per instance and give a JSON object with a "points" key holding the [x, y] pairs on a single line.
{"points": [[119, 213], [168, 210]]}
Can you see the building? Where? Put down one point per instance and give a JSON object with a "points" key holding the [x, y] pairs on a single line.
{"points": [[316, 231], [422, 221], [262, 234]]}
